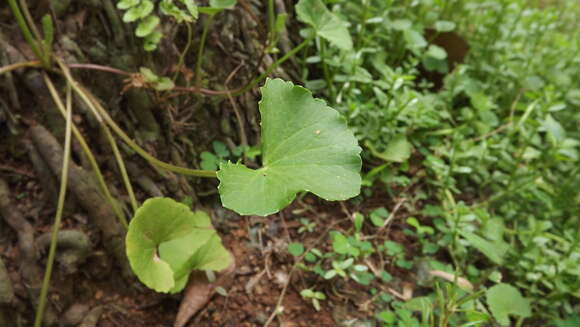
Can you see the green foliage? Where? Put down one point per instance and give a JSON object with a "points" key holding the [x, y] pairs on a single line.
{"points": [[144, 12], [305, 147], [212, 161], [296, 249], [157, 82], [493, 149], [166, 241], [378, 216], [324, 23], [505, 300], [315, 296]]}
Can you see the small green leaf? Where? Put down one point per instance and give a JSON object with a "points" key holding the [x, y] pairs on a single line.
{"points": [[209, 10], [166, 241], [146, 8], [401, 24], [393, 248], [306, 146], [147, 26], [126, 4], [326, 24], [420, 229], [220, 149], [167, 7], [358, 221], [386, 277], [307, 293], [151, 40], [388, 317], [414, 39], [421, 303], [280, 23], [191, 8], [209, 161], [148, 75], [341, 245], [505, 300], [378, 216], [296, 249], [140, 11], [436, 52], [164, 84], [48, 31], [554, 128], [444, 26], [495, 251], [330, 274], [398, 150], [222, 4], [132, 15]]}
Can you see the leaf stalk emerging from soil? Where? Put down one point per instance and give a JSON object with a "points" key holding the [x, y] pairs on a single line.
{"points": [[89, 154], [59, 209]]}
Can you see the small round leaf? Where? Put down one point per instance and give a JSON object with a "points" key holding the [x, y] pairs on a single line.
{"points": [[166, 241]]}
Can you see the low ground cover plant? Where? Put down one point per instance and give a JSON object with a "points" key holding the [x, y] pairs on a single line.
{"points": [[487, 147], [447, 129]]}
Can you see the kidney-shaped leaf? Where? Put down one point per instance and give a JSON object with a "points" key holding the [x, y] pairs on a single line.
{"points": [[166, 241], [306, 146], [325, 23]]}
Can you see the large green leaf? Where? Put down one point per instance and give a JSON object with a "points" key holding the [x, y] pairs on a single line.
{"points": [[505, 300], [166, 241], [325, 23], [306, 146]]}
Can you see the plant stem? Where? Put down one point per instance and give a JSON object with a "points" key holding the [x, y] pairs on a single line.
{"points": [[143, 153], [29, 20], [362, 25], [59, 209], [185, 51], [18, 65], [88, 153], [103, 117], [21, 21], [200, 51], [271, 22], [122, 169], [234, 92], [325, 70], [272, 67], [197, 89]]}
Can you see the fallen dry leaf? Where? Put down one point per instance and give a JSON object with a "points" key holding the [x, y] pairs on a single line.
{"points": [[199, 291]]}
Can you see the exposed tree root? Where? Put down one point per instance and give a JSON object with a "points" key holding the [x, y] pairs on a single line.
{"points": [[6, 289], [6, 295], [44, 175], [74, 247], [87, 194], [30, 271]]}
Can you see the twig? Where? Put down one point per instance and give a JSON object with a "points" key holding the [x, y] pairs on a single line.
{"points": [[495, 131], [392, 215], [125, 73]]}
